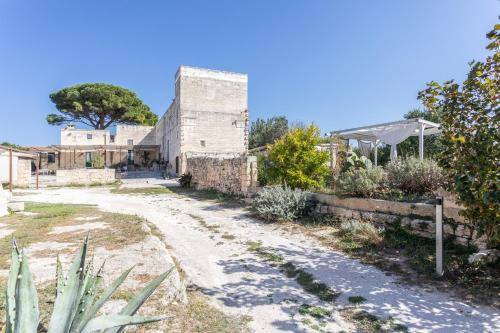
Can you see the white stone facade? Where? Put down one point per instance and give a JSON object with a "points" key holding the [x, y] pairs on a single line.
{"points": [[209, 114], [125, 135]]}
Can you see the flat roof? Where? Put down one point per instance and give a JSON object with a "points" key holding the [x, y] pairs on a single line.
{"points": [[371, 132]]}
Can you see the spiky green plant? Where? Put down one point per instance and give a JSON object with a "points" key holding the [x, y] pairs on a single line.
{"points": [[76, 303]]}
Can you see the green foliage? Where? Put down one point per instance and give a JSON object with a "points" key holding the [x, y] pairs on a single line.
{"points": [[263, 132], [361, 182], [471, 137], [414, 176], [13, 145], [99, 105], [98, 162], [281, 203], [432, 143], [295, 161], [355, 161], [77, 302], [185, 179]]}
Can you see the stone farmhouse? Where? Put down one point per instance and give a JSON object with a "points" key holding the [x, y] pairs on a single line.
{"points": [[208, 115]]}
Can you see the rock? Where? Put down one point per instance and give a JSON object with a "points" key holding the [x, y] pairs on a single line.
{"points": [[4, 199], [489, 256], [16, 206]]}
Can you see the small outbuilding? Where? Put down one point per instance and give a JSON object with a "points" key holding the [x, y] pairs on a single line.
{"points": [[15, 166]]}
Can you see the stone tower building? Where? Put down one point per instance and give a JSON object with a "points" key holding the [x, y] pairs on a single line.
{"points": [[209, 114]]}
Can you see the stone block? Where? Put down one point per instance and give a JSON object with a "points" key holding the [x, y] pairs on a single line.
{"points": [[16, 206]]}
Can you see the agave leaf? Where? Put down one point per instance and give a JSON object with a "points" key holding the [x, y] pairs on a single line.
{"points": [[106, 322], [87, 316], [59, 277], [87, 300], [10, 300], [135, 303], [27, 313], [66, 302]]}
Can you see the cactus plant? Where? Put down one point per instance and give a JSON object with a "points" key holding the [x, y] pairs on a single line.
{"points": [[77, 302]]}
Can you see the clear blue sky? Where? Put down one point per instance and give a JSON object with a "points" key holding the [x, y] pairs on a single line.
{"points": [[337, 63]]}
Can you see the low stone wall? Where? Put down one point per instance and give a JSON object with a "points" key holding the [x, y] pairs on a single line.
{"points": [[418, 218], [85, 176], [233, 174]]}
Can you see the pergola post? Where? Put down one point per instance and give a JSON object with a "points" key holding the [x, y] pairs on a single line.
{"points": [[421, 141]]}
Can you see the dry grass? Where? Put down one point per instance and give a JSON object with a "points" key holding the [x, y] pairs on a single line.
{"points": [[122, 229], [200, 317]]}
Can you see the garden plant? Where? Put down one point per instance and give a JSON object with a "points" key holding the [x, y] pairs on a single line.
{"points": [[78, 298]]}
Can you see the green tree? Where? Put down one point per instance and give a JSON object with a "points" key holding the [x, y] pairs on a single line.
{"points": [[263, 132], [99, 105], [13, 145], [432, 143], [471, 138], [295, 161]]}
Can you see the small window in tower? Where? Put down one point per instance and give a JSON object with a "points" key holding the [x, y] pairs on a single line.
{"points": [[202, 143], [130, 142], [89, 136]]}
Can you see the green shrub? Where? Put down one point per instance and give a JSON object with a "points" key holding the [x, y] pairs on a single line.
{"points": [[98, 162], [294, 160], [414, 176], [361, 182], [355, 161], [470, 138], [185, 179], [281, 203]]}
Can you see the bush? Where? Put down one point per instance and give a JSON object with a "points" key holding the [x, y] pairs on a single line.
{"points": [[98, 162], [185, 179], [361, 182], [470, 138], [281, 203], [414, 176], [295, 161], [356, 161], [363, 232]]}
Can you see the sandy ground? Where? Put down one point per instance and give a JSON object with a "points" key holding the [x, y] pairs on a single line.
{"points": [[240, 283]]}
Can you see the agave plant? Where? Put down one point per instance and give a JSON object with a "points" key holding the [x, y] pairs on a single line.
{"points": [[77, 302]]}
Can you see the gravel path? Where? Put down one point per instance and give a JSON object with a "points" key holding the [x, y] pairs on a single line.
{"points": [[240, 283]]}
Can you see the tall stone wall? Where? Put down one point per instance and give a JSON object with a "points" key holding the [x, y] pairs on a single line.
{"points": [[85, 176], [209, 114], [232, 174], [417, 218]]}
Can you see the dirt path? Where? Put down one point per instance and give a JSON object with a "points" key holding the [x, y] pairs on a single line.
{"points": [[210, 242]]}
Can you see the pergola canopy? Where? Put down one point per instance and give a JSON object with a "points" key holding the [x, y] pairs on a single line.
{"points": [[391, 133]]}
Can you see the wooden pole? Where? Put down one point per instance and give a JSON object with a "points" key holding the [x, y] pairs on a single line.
{"points": [[439, 236], [10, 170], [37, 168]]}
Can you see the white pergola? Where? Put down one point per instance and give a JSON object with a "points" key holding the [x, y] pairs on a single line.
{"points": [[391, 133]]}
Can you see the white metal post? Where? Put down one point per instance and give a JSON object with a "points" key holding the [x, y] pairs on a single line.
{"points": [[375, 153], [439, 236], [421, 142]]}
